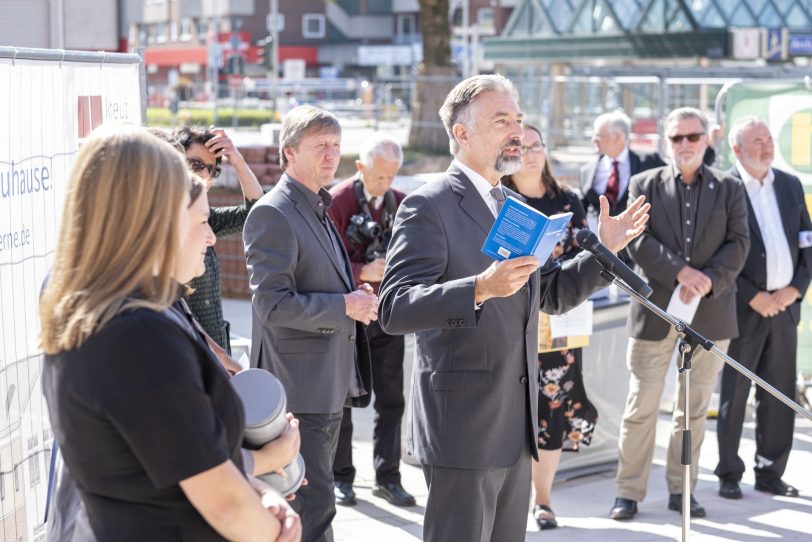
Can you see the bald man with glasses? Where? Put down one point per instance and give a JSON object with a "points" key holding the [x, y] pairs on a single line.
{"points": [[698, 239]]}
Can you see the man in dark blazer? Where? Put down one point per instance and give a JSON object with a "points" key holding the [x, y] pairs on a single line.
{"points": [[307, 315], [771, 286], [475, 380], [697, 240], [609, 175]]}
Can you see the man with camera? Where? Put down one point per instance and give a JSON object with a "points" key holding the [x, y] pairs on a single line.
{"points": [[363, 210]]}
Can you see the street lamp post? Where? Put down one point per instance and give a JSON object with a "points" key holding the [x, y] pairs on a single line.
{"points": [[274, 50]]}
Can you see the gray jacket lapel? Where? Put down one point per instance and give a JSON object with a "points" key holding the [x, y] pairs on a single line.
{"points": [[309, 216], [471, 202]]}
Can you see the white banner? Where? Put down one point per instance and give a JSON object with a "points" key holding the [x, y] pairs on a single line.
{"points": [[46, 110]]}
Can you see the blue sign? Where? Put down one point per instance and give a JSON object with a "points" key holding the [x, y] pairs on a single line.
{"points": [[774, 48], [800, 45]]}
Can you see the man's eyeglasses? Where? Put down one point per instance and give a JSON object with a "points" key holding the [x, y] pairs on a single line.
{"points": [[198, 165], [693, 138], [535, 149]]}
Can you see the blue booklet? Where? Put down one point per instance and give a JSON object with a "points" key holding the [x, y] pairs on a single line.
{"points": [[521, 230]]}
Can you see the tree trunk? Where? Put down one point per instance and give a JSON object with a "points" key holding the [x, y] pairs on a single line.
{"points": [[436, 77]]}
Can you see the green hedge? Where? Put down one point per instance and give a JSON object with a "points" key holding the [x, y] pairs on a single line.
{"points": [[162, 116]]}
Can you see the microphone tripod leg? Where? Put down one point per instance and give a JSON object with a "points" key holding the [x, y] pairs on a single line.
{"points": [[685, 348]]}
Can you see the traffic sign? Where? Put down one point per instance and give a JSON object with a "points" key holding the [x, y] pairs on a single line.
{"points": [[800, 45]]}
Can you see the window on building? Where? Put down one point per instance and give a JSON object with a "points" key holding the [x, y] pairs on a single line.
{"points": [[485, 18], [161, 33], [313, 25], [173, 31], [406, 24], [202, 29], [185, 30]]}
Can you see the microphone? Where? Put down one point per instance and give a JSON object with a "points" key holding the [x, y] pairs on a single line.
{"points": [[589, 241]]}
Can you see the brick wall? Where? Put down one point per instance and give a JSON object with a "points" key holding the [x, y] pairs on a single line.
{"points": [[264, 162]]}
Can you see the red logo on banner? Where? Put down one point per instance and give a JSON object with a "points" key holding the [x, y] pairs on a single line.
{"points": [[89, 113]]}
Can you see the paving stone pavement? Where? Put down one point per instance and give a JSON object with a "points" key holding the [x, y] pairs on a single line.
{"points": [[582, 504]]}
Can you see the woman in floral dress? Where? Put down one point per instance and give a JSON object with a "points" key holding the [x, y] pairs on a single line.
{"points": [[566, 417]]}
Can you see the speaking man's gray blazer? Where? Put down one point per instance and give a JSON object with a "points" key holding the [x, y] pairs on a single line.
{"points": [[719, 250], [300, 330], [475, 380]]}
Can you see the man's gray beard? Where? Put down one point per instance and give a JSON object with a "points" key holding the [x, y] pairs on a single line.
{"points": [[508, 165]]}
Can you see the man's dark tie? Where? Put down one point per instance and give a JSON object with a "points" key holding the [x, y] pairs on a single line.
{"points": [[499, 195], [613, 184]]}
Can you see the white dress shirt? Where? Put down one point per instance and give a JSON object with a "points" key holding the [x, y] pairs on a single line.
{"points": [[604, 169], [375, 202], [481, 184], [768, 215]]}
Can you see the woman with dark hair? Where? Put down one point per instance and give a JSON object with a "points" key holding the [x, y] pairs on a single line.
{"points": [[566, 417], [205, 150]]}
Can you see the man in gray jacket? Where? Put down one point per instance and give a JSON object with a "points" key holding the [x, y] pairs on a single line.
{"points": [[475, 380], [307, 315]]}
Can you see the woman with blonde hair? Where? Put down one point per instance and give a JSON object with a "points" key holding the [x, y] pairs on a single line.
{"points": [[148, 423]]}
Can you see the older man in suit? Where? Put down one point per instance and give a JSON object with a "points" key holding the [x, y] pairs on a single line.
{"points": [[307, 315], [609, 175], [771, 286], [697, 240], [475, 380]]}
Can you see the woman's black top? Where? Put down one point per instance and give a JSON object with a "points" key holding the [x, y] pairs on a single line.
{"points": [[139, 407]]}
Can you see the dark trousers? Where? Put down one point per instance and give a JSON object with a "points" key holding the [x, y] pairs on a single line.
{"points": [[477, 505], [315, 502], [386, 352], [766, 346]]}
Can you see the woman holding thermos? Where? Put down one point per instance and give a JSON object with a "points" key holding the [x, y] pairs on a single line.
{"points": [[149, 425]]}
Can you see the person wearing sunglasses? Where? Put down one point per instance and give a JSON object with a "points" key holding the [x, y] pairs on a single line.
{"points": [[697, 240], [205, 150]]}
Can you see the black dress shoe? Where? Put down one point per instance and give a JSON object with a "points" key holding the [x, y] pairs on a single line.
{"points": [[345, 495], [729, 489], [623, 509], [394, 493], [776, 486], [675, 503]]}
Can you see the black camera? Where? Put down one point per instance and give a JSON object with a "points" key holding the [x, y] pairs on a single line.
{"points": [[361, 230]]}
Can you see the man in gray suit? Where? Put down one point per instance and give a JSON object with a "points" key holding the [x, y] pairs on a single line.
{"points": [[307, 315], [697, 240], [475, 379]]}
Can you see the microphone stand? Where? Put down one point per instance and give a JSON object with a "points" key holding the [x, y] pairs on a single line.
{"points": [[689, 341]]}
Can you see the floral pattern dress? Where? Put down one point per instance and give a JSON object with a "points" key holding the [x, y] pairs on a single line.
{"points": [[566, 417]]}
